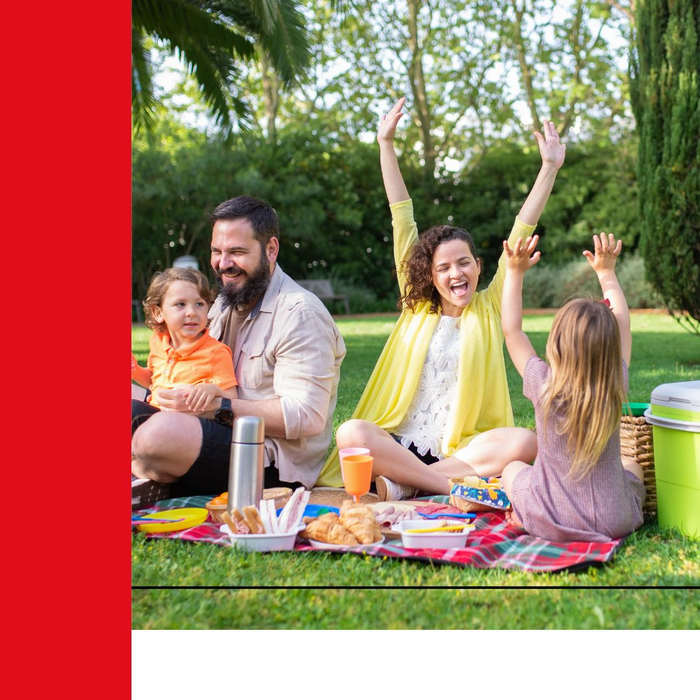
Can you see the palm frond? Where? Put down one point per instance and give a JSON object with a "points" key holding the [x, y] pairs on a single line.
{"points": [[143, 98], [288, 44], [284, 37], [209, 36], [344, 8], [178, 21], [265, 11], [216, 76]]}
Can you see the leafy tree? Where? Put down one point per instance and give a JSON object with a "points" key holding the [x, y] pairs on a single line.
{"points": [[329, 196], [212, 37], [566, 62], [666, 92], [443, 55], [335, 222], [470, 69]]}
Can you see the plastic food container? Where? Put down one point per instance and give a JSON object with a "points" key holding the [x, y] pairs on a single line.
{"points": [[263, 543], [432, 540], [674, 414]]}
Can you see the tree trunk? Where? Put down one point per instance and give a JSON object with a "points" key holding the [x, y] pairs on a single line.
{"points": [[577, 53], [270, 83], [628, 10], [420, 95], [525, 69]]}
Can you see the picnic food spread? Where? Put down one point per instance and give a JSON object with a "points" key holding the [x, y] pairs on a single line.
{"points": [[264, 520], [386, 517], [355, 525], [219, 505], [268, 527]]}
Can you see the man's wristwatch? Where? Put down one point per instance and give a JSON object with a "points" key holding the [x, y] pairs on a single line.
{"points": [[224, 414]]}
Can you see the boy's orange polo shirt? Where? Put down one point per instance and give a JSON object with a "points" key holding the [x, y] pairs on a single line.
{"points": [[206, 361]]}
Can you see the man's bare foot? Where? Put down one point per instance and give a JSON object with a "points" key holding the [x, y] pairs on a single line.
{"points": [[511, 519]]}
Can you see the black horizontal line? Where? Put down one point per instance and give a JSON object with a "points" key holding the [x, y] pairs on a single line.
{"points": [[408, 588]]}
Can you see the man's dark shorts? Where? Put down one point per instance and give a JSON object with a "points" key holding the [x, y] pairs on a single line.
{"points": [[209, 473], [140, 413]]}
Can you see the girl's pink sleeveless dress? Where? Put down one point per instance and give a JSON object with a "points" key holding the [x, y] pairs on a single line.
{"points": [[605, 504]]}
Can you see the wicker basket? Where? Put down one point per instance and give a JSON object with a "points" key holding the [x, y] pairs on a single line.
{"points": [[334, 497], [636, 442], [216, 513]]}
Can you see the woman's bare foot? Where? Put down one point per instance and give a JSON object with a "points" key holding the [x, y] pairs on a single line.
{"points": [[511, 519]]}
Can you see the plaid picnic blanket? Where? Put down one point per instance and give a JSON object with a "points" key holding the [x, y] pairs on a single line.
{"points": [[493, 544]]}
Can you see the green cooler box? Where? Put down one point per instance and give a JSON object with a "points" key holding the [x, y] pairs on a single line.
{"points": [[674, 414]]}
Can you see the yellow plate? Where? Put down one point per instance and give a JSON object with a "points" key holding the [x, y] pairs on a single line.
{"points": [[192, 517]]}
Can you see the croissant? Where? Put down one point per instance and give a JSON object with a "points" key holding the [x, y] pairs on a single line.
{"points": [[360, 520], [355, 508], [327, 528]]}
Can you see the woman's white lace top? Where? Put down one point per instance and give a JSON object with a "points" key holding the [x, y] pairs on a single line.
{"points": [[424, 422]]}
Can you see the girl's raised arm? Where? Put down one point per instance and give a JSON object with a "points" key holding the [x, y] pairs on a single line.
{"points": [[518, 260], [391, 173], [553, 153], [603, 261]]}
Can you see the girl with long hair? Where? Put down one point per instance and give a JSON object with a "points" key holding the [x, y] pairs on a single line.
{"points": [[579, 487]]}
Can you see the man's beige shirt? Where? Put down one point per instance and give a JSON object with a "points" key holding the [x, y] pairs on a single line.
{"points": [[288, 347]]}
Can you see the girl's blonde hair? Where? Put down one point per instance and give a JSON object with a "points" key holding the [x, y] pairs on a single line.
{"points": [[159, 288], [585, 387]]}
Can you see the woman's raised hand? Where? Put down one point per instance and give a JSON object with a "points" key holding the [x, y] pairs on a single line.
{"points": [[388, 122], [606, 250], [523, 255], [551, 148]]}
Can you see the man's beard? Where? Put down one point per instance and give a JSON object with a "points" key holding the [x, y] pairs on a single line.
{"points": [[253, 287]]}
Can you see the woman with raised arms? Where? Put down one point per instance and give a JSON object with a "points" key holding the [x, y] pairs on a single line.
{"points": [[437, 405]]}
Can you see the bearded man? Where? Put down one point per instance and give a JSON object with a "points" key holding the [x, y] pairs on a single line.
{"points": [[287, 353]]}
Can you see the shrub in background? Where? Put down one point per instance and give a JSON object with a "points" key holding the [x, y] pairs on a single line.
{"points": [[548, 286], [639, 292], [665, 82], [364, 300], [335, 221], [540, 287]]}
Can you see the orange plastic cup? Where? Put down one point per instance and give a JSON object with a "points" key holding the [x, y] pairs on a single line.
{"points": [[357, 474], [346, 451]]}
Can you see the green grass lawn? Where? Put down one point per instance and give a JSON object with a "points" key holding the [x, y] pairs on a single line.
{"points": [[649, 558]]}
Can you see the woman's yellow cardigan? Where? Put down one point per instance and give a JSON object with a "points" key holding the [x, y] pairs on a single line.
{"points": [[481, 377]]}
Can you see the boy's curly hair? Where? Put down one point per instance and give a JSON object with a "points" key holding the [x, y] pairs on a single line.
{"points": [[158, 288], [418, 267]]}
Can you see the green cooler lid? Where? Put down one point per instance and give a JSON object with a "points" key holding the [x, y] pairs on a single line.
{"points": [[636, 408], [683, 395]]}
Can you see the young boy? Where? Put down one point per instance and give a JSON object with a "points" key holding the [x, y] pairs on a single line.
{"points": [[181, 349]]}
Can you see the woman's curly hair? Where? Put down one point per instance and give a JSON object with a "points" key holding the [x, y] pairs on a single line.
{"points": [[418, 267]]}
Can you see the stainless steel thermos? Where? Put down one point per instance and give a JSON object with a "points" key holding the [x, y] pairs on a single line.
{"points": [[246, 476]]}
